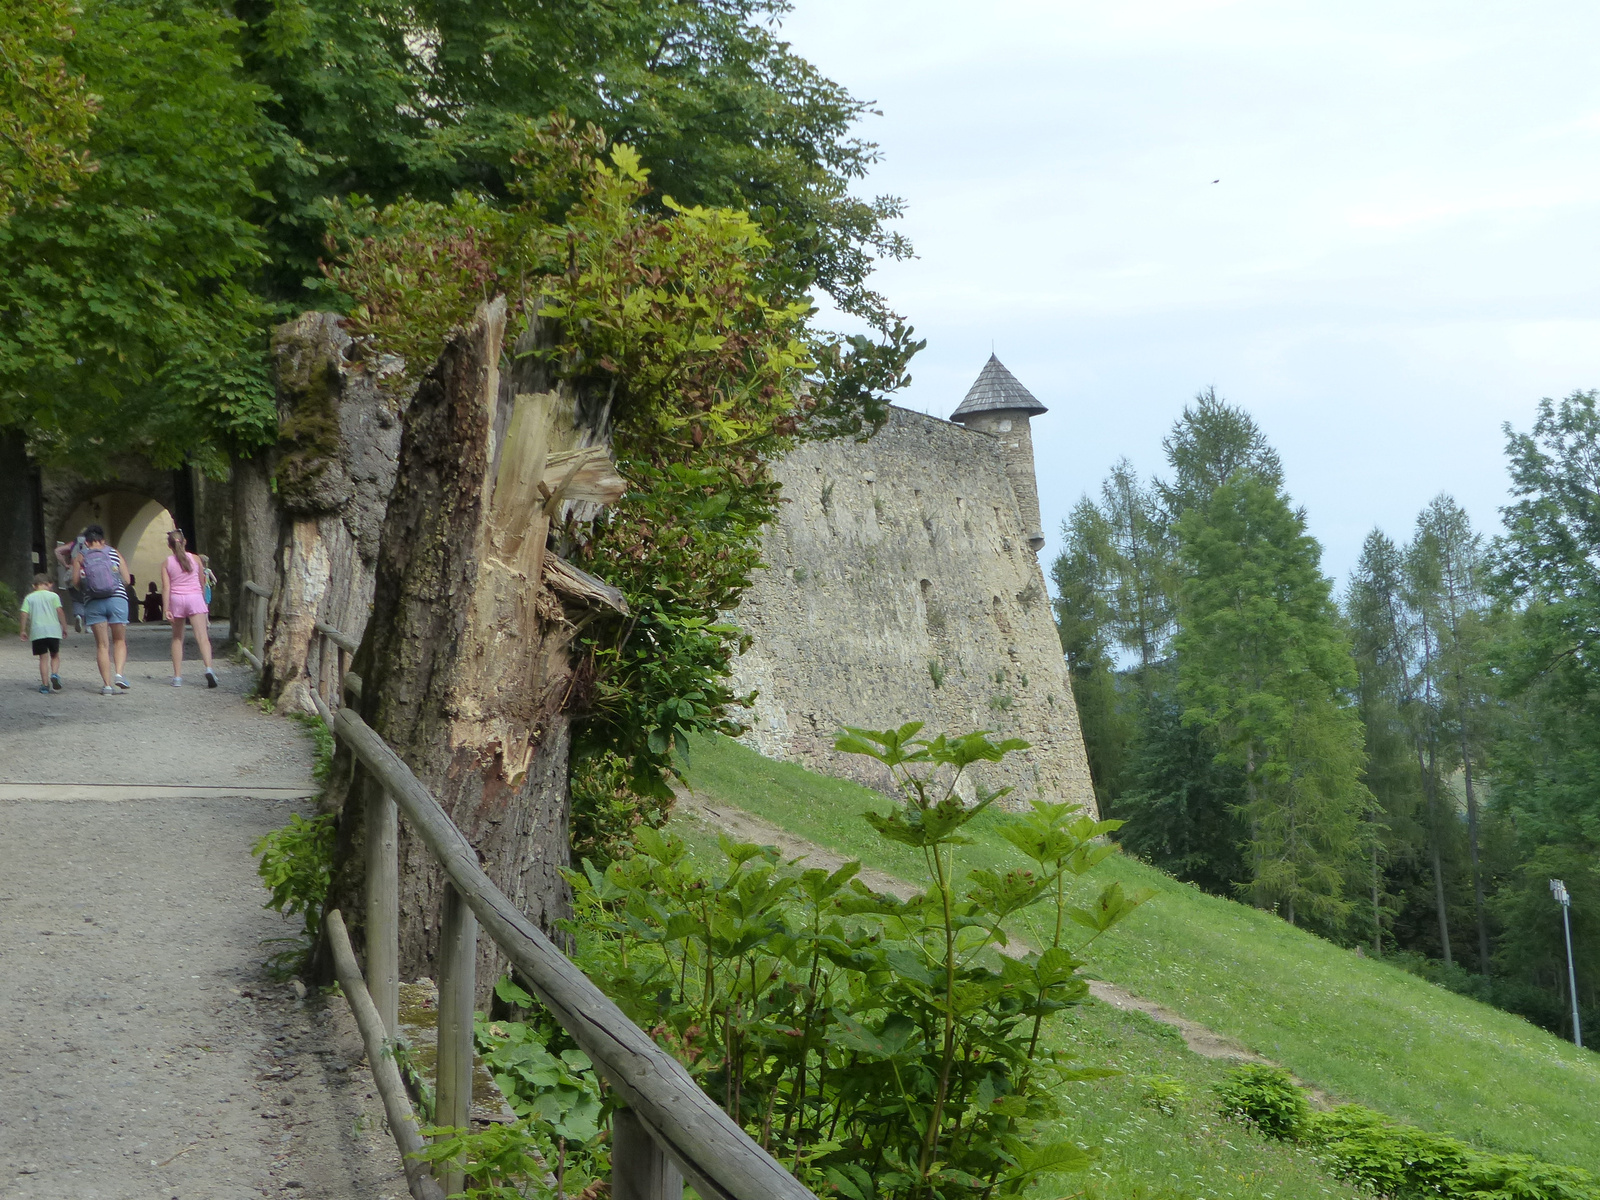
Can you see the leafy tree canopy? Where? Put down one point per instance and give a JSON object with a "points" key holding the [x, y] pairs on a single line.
{"points": [[135, 316], [45, 108], [427, 99], [127, 315]]}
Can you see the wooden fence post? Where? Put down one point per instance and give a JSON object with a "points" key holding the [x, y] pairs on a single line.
{"points": [[458, 957], [383, 907], [639, 1170]]}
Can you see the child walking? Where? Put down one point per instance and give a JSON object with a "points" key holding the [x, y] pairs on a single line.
{"points": [[41, 616]]}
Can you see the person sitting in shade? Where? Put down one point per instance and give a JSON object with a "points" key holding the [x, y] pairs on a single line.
{"points": [[152, 605]]}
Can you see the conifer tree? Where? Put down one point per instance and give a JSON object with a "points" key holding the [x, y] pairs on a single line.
{"points": [[1082, 574], [1140, 566], [1448, 560], [1262, 662]]}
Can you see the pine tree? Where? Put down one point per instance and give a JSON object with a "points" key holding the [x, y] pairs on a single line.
{"points": [[1262, 662], [1381, 633], [1084, 619], [1453, 556], [1140, 568], [1211, 443]]}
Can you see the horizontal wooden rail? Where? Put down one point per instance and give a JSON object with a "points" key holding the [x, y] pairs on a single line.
{"points": [[338, 637], [719, 1158]]}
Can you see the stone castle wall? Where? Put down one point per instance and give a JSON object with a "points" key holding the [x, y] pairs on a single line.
{"points": [[901, 587]]}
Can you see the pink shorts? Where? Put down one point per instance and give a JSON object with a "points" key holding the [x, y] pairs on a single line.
{"points": [[187, 606]]}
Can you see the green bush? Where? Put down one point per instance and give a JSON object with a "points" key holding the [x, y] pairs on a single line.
{"points": [[296, 866], [1393, 1160], [1266, 1096], [1403, 1161], [879, 1047]]}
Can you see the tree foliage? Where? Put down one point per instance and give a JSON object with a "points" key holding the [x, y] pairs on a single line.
{"points": [[133, 310], [128, 318], [1262, 662], [424, 100], [1210, 670], [1546, 758], [709, 373], [45, 107]]}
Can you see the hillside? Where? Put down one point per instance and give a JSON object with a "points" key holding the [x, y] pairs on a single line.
{"points": [[1356, 1028]]}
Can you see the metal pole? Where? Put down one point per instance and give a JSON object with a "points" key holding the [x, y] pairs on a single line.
{"points": [[1572, 976], [1558, 889]]}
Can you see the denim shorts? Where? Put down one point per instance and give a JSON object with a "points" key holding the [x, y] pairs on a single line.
{"points": [[106, 610]]}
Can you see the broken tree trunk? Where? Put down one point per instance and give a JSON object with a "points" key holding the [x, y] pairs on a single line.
{"points": [[331, 472], [466, 664]]}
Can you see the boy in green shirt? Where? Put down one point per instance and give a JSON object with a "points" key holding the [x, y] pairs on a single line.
{"points": [[41, 615]]}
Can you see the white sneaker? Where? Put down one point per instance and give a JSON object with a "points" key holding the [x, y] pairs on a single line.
{"points": [[108, 691], [121, 682], [177, 681]]}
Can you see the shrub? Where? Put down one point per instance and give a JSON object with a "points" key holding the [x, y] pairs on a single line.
{"points": [[296, 865], [1267, 1097], [1403, 1161], [1392, 1160], [878, 1047]]}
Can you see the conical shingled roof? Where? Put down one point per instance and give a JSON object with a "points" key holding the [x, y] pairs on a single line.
{"points": [[996, 389]]}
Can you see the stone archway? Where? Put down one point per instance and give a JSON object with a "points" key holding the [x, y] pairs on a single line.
{"points": [[135, 524]]}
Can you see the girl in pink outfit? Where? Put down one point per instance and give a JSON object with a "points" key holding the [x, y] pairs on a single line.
{"points": [[183, 596]]}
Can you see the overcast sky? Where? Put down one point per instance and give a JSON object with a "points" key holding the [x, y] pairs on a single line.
{"points": [[1401, 253]]}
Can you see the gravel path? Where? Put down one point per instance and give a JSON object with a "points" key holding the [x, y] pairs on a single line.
{"points": [[145, 1051]]}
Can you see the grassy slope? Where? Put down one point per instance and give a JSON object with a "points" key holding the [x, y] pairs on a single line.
{"points": [[1359, 1029]]}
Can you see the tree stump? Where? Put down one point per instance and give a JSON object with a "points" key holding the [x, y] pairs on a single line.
{"points": [[466, 664]]}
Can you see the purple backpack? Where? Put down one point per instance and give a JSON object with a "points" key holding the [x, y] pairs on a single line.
{"points": [[100, 577]]}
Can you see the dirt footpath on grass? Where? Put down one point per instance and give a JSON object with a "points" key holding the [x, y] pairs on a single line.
{"points": [[144, 1052]]}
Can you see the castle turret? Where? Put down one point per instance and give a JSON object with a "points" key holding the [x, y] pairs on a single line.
{"points": [[1001, 407]]}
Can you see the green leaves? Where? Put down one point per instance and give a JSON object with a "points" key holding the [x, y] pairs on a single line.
{"points": [[1265, 666], [296, 866], [1109, 907], [849, 1027], [1387, 1158], [557, 1089], [128, 319]]}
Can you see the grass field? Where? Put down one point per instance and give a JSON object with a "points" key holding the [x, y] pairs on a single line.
{"points": [[1357, 1028]]}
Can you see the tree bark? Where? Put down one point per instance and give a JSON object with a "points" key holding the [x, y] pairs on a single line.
{"points": [[1477, 870], [465, 665], [333, 469]]}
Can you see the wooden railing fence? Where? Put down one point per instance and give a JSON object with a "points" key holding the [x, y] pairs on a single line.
{"points": [[670, 1129]]}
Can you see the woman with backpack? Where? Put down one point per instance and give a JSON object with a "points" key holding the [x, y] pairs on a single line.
{"points": [[101, 578], [183, 596]]}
